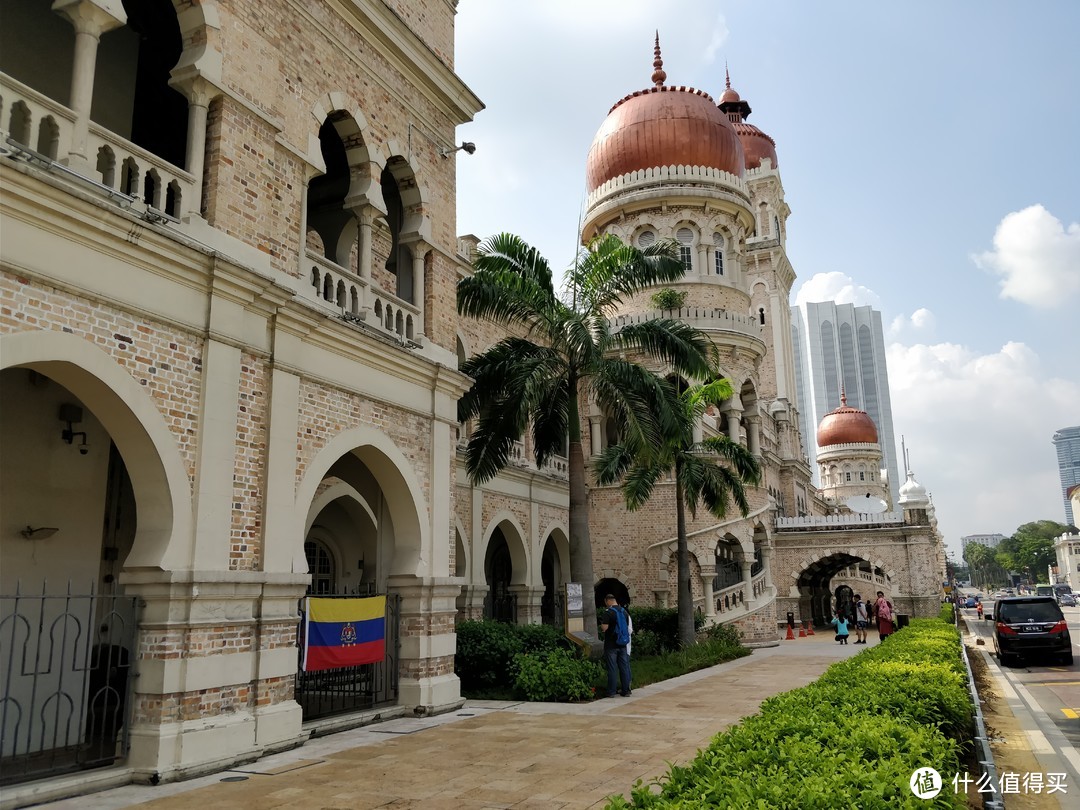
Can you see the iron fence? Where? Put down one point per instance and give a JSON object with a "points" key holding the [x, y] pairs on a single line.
{"points": [[66, 673], [351, 689]]}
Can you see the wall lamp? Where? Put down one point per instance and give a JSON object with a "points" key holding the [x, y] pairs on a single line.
{"points": [[40, 533], [73, 414], [468, 146]]}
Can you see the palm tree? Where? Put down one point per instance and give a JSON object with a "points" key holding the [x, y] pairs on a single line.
{"points": [[699, 478], [563, 348]]}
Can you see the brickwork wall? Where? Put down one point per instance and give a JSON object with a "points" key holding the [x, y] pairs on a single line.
{"points": [[166, 362], [494, 503], [432, 21], [249, 466], [758, 626], [326, 412]]}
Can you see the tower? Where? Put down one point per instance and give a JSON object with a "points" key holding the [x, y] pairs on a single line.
{"points": [[840, 348], [1067, 444], [849, 460]]}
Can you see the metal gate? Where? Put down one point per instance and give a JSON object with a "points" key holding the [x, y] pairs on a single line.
{"points": [[352, 689], [66, 672]]}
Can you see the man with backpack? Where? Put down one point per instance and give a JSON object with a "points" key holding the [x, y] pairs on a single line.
{"points": [[615, 625]]}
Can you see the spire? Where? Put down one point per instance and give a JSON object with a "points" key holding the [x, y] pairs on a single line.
{"points": [[843, 393], [727, 76], [658, 75]]}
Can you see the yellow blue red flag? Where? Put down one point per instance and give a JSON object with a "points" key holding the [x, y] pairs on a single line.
{"points": [[344, 632]]}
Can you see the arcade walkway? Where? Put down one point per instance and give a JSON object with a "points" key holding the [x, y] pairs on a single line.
{"points": [[499, 754]]}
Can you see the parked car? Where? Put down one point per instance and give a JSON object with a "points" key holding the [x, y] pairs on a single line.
{"points": [[1067, 600], [1030, 624]]}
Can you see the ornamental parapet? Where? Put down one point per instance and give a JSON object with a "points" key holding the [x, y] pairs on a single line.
{"points": [[860, 520], [701, 318], [671, 178]]}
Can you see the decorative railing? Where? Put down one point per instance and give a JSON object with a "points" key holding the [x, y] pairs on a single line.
{"points": [[735, 598], [668, 177], [45, 126], [701, 318], [856, 573], [836, 521], [333, 287]]}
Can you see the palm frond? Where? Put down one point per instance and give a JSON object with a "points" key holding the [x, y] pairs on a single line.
{"points": [[612, 464], [642, 402], [511, 284], [744, 463], [685, 348], [608, 271], [638, 483]]}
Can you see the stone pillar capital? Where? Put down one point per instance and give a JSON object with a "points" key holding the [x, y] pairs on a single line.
{"points": [[93, 17]]}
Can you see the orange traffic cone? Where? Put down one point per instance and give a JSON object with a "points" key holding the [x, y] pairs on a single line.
{"points": [[790, 634], [802, 630], [809, 628]]}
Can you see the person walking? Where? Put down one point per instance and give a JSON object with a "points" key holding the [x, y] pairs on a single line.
{"points": [[883, 610], [615, 627], [862, 618]]}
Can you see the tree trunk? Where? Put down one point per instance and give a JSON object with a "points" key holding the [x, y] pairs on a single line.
{"points": [[581, 568], [685, 597]]}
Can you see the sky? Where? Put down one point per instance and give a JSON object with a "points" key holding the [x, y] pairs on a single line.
{"points": [[930, 154]]}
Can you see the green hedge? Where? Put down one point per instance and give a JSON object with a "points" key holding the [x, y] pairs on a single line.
{"points": [[947, 614], [852, 738], [486, 650], [656, 630]]}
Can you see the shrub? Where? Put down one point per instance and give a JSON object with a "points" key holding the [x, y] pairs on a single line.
{"points": [[947, 613], [646, 642], [658, 626], [485, 651], [668, 298], [725, 633], [850, 739], [555, 675], [536, 637]]}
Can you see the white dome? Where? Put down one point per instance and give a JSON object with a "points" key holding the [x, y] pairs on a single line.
{"points": [[913, 494]]}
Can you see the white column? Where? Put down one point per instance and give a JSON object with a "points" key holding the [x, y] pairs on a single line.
{"points": [[419, 251], [733, 419], [199, 94], [708, 573], [90, 19], [753, 434], [766, 564], [703, 259], [594, 435]]}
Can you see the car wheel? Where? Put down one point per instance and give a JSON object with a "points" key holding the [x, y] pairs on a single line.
{"points": [[1067, 659]]}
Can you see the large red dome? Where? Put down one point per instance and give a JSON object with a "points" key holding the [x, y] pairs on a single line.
{"points": [[846, 426], [663, 126]]}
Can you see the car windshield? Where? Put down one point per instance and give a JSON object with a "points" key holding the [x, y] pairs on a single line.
{"points": [[1042, 610]]}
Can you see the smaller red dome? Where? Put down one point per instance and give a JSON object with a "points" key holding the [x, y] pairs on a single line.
{"points": [[846, 426], [730, 95]]}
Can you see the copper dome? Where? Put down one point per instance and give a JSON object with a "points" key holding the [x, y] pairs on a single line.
{"points": [[846, 426], [756, 144], [663, 126]]}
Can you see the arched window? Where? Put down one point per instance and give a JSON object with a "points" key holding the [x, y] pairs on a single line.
{"points": [[718, 254], [646, 238], [685, 237], [776, 226], [321, 567]]}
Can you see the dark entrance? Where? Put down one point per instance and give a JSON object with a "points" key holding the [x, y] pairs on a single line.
{"points": [[499, 604]]}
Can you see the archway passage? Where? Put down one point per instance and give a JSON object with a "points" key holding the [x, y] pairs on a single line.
{"points": [[551, 603], [615, 588], [500, 604], [815, 585]]}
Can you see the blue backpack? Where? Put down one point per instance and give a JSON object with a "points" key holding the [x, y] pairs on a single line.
{"points": [[622, 627]]}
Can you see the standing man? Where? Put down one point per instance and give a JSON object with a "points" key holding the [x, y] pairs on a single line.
{"points": [[615, 627], [862, 618]]}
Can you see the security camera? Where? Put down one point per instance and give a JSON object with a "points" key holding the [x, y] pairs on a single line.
{"points": [[84, 449]]}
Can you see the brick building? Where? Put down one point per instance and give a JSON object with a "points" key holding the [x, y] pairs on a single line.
{"points": [[228, 355]]}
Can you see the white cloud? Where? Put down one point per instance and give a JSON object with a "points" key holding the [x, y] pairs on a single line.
{"points": [[921, 322], [838, 287], [717, 40], [1037, 257], [978, 427]]}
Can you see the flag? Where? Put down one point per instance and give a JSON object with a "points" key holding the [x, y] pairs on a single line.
{"points": [[344, 632]]}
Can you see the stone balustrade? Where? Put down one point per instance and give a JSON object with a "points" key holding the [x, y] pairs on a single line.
{"points": [[45, 126], [668, 177], [705, 319], [334, 287], [837, 521]]}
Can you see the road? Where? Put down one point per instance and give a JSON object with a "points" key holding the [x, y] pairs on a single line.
{"points": [[1050, 691]]}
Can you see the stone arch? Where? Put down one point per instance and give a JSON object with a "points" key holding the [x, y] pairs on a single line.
{"points": [[814, 580], [398, 484], [515, 541], [162, 486], [462, 558]]}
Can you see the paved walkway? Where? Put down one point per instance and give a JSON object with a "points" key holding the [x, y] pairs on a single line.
{"points": [[493, 754]]}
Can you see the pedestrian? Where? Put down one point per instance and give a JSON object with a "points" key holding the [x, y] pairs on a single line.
{"points": [[862, 618], [630, 635], [842, 633], [883, 610], [615, 627]]}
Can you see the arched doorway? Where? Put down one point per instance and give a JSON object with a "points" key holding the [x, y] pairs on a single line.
{"points": [[818, 595], [499, 604], [615, 588], [553, 573]]}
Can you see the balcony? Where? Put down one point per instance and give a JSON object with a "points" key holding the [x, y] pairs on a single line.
{"points": [[335, 289], [116, 164], [707, 320]]}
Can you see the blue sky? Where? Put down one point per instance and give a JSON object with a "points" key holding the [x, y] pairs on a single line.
{"points": [[929, 153]]}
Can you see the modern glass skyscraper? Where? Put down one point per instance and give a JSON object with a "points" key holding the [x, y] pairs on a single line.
{"points": [[842, 346], [1067, 443]]}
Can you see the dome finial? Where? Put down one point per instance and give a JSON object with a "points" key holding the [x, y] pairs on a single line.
{"points": [[727, 76], [658, 75], [843, 396]]}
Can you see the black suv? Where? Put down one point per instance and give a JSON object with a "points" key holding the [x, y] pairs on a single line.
{"points": [[1030, 624]]}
